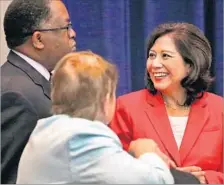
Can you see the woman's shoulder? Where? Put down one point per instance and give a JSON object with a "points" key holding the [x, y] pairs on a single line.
{"points": [[135, 98], [214, 100], [140, 94]]}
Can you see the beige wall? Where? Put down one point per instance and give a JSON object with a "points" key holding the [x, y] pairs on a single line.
{"points": [[3, 48]]}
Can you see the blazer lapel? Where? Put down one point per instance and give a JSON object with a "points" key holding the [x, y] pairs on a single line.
{"points": [[196, 121], [157, 114], [35, 76]]}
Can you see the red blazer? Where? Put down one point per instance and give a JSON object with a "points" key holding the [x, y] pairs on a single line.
{"points": [[142, 115]]}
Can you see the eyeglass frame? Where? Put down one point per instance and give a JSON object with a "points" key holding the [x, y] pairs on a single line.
{"points": [[68, 27]]}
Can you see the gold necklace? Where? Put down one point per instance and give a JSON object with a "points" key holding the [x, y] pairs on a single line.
{"points": [[175, 108]]}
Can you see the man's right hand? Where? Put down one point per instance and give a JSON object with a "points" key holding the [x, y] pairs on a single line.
{"points": [[142, 146]]}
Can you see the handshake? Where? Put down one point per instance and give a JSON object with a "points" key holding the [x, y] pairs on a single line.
{"points": [[142, 146]]}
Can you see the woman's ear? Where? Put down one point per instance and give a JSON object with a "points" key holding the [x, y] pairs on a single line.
{"points": [[37, 40], [189, 68]]}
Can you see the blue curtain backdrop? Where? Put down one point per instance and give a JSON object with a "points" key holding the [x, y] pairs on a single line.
{"points": [[118, 29]]}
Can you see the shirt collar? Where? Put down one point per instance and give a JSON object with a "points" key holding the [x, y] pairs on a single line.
{"points": [[40, 68]]}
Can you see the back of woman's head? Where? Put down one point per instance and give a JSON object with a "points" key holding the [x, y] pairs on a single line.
{"points": [[80, 84]]}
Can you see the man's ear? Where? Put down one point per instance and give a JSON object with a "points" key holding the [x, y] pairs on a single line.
{"points": [[37, 40]]}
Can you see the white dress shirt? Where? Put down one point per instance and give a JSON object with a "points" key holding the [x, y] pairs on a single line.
{"points": [[41, 69], [178, 125]]}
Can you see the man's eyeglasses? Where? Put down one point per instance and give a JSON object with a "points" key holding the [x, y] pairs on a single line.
{"points": [[68, 28]]}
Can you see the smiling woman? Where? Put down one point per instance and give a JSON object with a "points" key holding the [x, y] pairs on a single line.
{"points": [[162, 65], [175, 110]]}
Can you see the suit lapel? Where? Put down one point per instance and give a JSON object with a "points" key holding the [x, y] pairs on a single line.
{"points": [[196, 121], [156, 112], [35, 76]]}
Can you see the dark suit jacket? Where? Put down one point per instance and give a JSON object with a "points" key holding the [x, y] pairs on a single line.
{"points": [[142, 115], [25, 98], [183, 177]]}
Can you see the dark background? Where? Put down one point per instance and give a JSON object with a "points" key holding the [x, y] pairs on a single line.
{"points": [[118, 29]]}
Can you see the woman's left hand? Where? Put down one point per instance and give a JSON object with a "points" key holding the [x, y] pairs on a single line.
{"points": [[200, 175]]}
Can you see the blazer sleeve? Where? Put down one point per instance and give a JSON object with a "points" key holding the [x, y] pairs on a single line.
{"points": [[122, 124], [99, 158], [18, 120], [216, 177], [148, 169]]}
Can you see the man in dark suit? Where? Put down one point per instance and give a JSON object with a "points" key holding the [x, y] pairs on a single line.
{"points": [[39, 33]]}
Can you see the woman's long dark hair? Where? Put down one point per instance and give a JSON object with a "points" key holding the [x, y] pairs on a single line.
{"points": [[195, 50]]}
